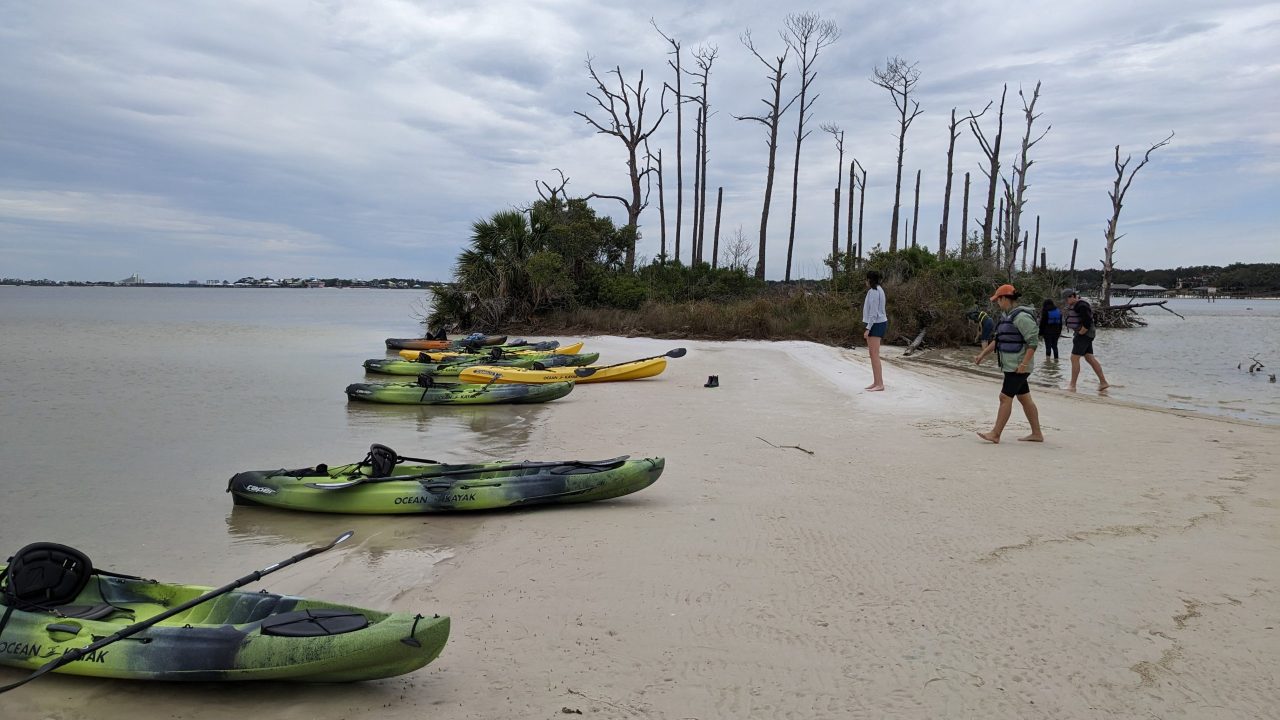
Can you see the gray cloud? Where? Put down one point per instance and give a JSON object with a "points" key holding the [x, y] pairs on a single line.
{"points": [[298, 138]]}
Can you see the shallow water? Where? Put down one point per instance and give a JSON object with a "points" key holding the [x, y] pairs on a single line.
{"points": [[1187, 363], [123, 412]]}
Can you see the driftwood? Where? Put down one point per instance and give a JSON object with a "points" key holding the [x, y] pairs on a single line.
{"points": [[1123, 316], [914, 344], [784, 447]]}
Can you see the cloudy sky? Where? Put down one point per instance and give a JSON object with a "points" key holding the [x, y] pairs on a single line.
{"points": [[203, 140]]}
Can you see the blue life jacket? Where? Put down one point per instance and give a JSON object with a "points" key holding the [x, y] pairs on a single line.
{"points": [[1054, 317], [1008, 337]]}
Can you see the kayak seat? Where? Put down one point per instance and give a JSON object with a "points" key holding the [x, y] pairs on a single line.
{"points": [[88, 612], [45, 575]]}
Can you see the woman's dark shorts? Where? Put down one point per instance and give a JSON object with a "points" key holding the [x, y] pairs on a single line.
{"points": [[1081, 345], [1015, 384], [879, 329]]}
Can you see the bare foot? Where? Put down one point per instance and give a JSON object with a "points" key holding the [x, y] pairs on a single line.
{"points": [[990, 437], [872, 386], [1104, 386], [1071, 388], [875, 388], [1032, 438]]}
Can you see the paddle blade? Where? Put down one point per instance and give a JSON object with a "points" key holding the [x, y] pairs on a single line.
{"points": [[678, 352], [584, 372], [342, 538], [538, 366]]}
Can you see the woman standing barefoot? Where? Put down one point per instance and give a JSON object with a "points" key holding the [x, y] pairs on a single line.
{"points": [[877, 322]]}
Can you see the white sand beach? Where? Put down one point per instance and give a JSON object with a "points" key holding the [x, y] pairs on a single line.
{"points": [[896, 567]]}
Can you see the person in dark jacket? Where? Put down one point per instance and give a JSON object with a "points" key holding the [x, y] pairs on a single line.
{"points": [[1079, 322], [1050, 328]]}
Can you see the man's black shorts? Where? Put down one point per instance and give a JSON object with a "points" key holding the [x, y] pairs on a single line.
{"points": [[1081, 345], [1015, 384]]}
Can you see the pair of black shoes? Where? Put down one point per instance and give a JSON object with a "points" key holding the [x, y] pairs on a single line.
{"points": [[713, 381]]}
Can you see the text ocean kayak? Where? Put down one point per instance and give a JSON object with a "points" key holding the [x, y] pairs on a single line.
{"points": [[459, 394], [431, 488]]}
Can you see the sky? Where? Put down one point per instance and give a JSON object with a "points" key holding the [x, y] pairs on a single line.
{"points": [[213, 140]]}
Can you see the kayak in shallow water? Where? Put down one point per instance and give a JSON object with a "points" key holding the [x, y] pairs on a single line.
{"points": [[234, 636], [451, 368], [425, 392], [444, 355], [424, 486], [438, 344], [634, 370]]}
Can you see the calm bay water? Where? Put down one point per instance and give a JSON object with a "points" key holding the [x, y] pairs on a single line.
{"points": [[123, 412], [1184, 364]]}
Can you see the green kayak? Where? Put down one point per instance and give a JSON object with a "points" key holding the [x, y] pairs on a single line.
{"points": [[235, 636], [383, 483], [400, 366], [426, 392]]}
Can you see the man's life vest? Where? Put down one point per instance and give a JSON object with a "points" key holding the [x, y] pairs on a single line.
{"points": [[1008, 337]]}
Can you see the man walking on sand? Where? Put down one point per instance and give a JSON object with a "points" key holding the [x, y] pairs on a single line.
{"points": [[1080, 325], [1017, 336]]}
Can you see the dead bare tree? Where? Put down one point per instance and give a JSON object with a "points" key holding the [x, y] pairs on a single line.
{"points": [[952, 133], [625, 120], [775, 111], [662, 208], [715, 237], [676, 66], [1022, 164], [552, 194], [806, 34], [838, 135], [899, 77], [737, 254], [992, 170], [1036, 252], [862, 205], [1118, 191], [915, 218], [848, 221], [964, 221], [704, 57]]}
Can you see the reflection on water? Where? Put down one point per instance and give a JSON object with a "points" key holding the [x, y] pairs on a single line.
{"points": [[490, 430], [1198, 362]]}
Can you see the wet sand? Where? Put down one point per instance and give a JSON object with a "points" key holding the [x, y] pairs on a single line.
{"points": [[897, 566]]}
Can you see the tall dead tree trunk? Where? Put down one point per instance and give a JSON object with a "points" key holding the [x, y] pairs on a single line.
{"points": [[862, 206], [662, 212], [1044, 260], [992, 170], [1075, 245], [1118, 191], [899, 77], [848, 221], [625, 120], [695, 250], [1021, 165], [1000, 236], [838, 135], [964, 220], [1026, 236], [715, 238], [770, 120], [806, 33], [675, 50], [915, 217], [704, 57], [952, 133], [1036, 252]]}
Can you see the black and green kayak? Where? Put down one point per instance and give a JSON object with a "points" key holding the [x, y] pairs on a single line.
{"points": [[400, 366], [428, 392], [383, 483], [441, 343], [234, 636]]}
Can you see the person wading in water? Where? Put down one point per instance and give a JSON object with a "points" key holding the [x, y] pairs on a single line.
{"points": [[1080, 323], [1017, 336]]}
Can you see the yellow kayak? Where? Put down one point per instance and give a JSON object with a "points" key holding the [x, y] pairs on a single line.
{"points": [[438, 356], [624, 371]]}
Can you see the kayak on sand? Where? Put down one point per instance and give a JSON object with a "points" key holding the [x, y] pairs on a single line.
{"points": [[428, 392], [451, 368]]}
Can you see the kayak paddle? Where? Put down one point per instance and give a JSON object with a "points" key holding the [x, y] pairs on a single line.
{"points": [[606, 464], [589, 371], [73, 655]]}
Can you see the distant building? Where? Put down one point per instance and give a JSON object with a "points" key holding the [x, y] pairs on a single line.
{"points": [[133, 279]]}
